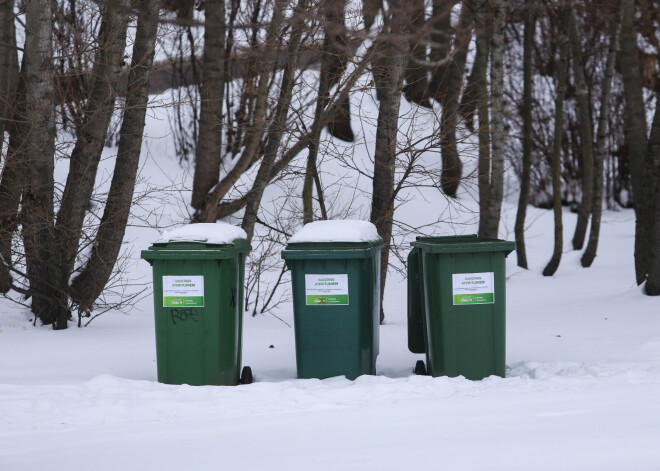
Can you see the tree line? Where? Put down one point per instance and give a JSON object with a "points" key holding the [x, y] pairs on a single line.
{"points": [[557, 90]]}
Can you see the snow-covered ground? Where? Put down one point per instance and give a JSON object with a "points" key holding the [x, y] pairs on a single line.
{"points": [[582, 390]]}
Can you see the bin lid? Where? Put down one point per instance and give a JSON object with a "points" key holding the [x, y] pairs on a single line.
{"points": [[462, 244], [199, 241], [334, 239]]}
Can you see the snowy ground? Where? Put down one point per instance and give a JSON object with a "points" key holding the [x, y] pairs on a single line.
{"points": [[582, 390]]}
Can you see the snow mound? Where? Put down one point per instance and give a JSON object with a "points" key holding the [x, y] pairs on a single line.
{"points": [[211, 233], [347, 230]]}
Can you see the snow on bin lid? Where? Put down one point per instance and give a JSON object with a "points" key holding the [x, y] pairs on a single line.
{"points": [[211, 233], [346, 230]]}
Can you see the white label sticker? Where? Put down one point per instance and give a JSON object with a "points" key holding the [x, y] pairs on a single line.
{"points": [[473, 288], [183, 291], [326, 290]]}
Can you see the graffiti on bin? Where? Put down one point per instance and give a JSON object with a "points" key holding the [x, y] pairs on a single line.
{"points": [[184, 315]]}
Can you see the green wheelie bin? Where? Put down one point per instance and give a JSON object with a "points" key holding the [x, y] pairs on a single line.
{"points": [[335, 276], [457, 305], [198, 273]]}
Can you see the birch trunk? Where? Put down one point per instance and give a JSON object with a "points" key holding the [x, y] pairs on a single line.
{"points": [[36, 128], [498, 134]]}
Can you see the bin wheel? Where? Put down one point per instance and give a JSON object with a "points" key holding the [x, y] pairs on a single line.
{"points": [[420, 368], [246, 375]]}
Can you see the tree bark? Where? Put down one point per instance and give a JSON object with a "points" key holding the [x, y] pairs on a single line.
{"points": [[634, 118], [416, 89], [586, 133], [92, 135], [277, 128], [651, 206], [553, 264], [333, 64], [523, 200], [89, 284], [208, 211], [599, 156], [452, 167], [35, 119], [10, 186], [484, 164], [440, 46], [388, 75], [209, 145], [635, 126], [8, 64], [498, 134]]}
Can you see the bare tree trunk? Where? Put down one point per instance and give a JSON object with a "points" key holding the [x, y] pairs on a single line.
{"points": [[452, 167], [10, 187], [208, 211], [635, 126], [553, 264], [11, 184], [650, 200], [440, 46], [484, 166], [523, 200], [209, 146], [8, 64], [586, 133], [634, 120], [416, 88], [228, 208], [498, 134], [599, 156], [388, 74], [277, 128], [89, 284], [35, 116], [92, 135], [333, 64]]}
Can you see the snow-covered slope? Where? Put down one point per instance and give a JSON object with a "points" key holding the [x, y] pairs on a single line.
{"points": [[581, 392]]}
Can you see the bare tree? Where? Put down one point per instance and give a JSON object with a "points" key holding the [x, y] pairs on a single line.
{"points": [[634, 118], [601, 136], [553, 264], [333, 64], [498, 136], [209, 145], [277, 127], [523, 199], [586, 132], [36, 133], [388, 75], [84, 160], [8, 63], [648, 219], [89, 284], [8, 84]]}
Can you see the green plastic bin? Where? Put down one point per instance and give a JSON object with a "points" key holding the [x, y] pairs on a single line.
{"points": [[457, 305], [198, 293], [336, 305]]}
